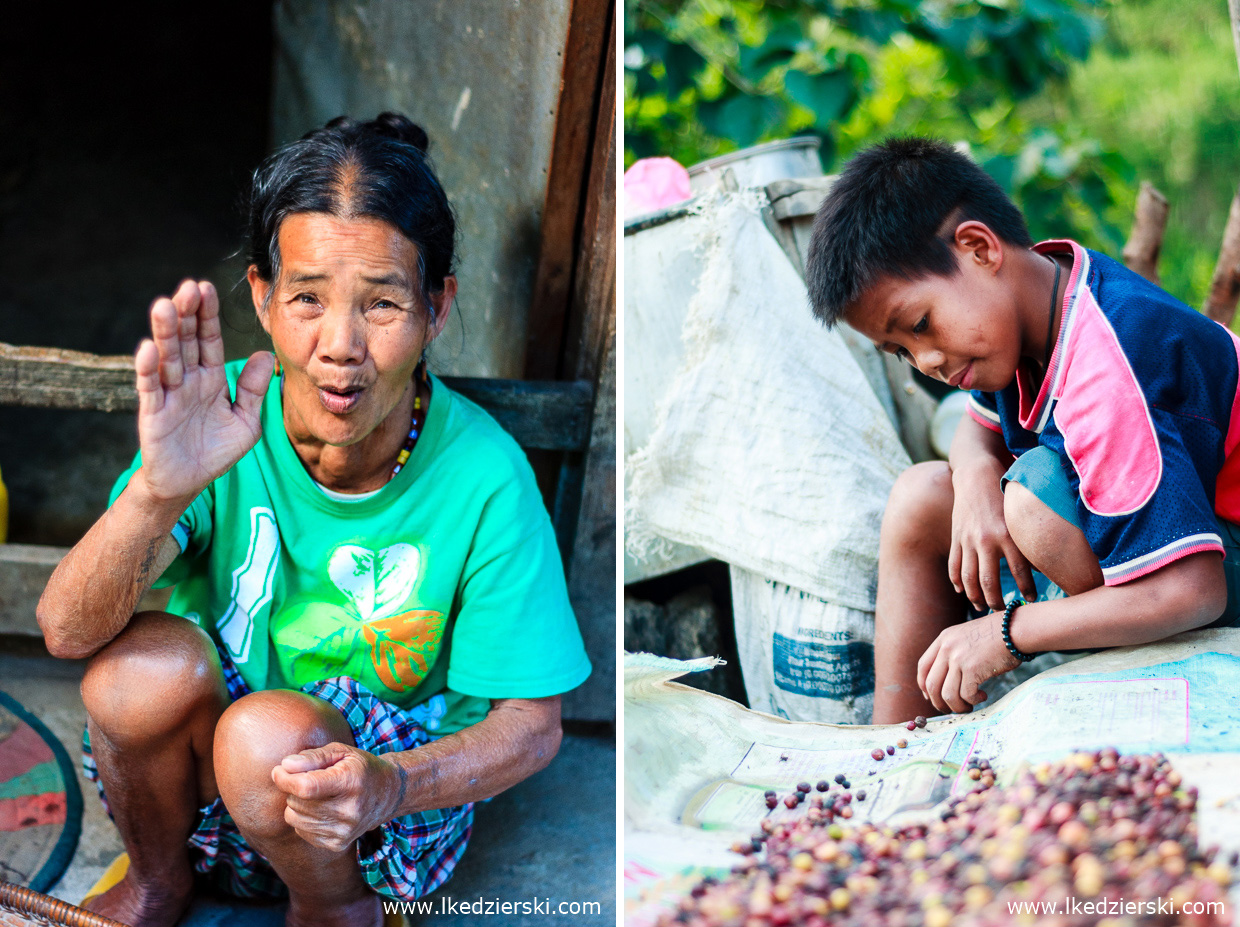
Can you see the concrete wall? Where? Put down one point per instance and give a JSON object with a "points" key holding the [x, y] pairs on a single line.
{"points": [[483, 79]]}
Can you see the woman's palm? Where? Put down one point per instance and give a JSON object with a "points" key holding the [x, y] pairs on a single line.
{"points": [[189, 429]]}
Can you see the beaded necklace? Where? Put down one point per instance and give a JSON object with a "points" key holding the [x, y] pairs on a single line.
{"points": [[420, 376]]}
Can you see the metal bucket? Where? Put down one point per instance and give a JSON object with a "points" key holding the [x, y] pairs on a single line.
{"points": [[761, 164]]}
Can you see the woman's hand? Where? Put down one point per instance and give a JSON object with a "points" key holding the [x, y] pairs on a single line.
{"points": [[338, 793], [189, 430], [980, 538], [961, 658]]}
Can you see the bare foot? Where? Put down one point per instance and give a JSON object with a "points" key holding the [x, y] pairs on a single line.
{"points": [[365, 912], [145, 906]]}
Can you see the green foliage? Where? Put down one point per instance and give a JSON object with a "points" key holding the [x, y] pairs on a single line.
{"points": [[707, 76], [703, 77], [1068, 103], [1165, 90]]}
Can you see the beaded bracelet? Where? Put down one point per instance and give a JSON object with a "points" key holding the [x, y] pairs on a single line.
{"points": [[1007, 631]]}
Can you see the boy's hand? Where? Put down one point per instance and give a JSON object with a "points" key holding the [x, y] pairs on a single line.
{"points": [[980, 538], [961, 658]]}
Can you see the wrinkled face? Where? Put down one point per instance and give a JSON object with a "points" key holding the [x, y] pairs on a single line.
{"points": [[963, 329], [347, 321]]}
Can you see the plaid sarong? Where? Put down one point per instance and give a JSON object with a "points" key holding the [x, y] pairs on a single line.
{"points": [[416, 853]]}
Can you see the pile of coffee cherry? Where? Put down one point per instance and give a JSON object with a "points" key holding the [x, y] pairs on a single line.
{"points": [[1103, 838]]}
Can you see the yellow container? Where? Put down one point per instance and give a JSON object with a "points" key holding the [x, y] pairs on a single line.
{"points": [[4, 513]]}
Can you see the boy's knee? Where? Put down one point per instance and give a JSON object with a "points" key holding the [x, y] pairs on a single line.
{"points": [[1033, 525], [254, 735], [921, 497], [153, 679]]}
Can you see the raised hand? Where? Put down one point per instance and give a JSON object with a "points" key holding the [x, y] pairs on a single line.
{"points": [[337, 793], [189, 429]]}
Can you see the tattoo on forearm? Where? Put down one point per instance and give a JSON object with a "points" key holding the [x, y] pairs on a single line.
{"points": [[152, 554], [404, 784]]}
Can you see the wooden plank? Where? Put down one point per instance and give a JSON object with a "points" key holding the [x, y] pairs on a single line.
{"points": [[24, 571], [551, 416], [542, 415], [593, 309], [585, 52], [587, 490], [54, 379], [592, 565]]}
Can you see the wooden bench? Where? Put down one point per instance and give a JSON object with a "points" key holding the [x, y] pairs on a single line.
{"points": [[540, 415]]}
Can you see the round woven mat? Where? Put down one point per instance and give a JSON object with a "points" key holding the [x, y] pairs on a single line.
{"points": [[40, 803]]}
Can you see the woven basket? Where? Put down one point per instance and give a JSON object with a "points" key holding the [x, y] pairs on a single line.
{"points": [[21, 906]]}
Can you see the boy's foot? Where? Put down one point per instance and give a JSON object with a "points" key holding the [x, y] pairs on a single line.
{"points": [[365, 912], [144, 906]]}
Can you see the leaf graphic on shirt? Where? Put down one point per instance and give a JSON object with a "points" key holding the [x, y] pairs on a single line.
{"points": [[401, 647], [377, 583]]}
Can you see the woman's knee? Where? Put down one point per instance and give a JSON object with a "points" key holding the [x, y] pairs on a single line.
{"points": [[254, 735], [155, 677], [920, 502]]}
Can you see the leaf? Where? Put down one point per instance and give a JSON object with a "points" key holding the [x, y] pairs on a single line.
{"points": [[681, 64], [740, 118], [401, 646], [828, 96], [377, 583]]}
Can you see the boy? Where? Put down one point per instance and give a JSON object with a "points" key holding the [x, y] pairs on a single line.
{"points": [[1100, 447]]}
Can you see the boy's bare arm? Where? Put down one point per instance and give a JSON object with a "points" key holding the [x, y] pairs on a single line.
{"points": [[978, 459], [1185, 594]]}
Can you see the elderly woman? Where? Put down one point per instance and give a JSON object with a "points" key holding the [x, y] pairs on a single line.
{"points": [[370, 630]]}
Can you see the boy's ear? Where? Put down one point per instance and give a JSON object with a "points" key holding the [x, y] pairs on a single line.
{"points": [[976, 242]]}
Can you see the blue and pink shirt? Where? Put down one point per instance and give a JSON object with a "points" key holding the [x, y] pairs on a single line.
{"points": [[1140, 403]]}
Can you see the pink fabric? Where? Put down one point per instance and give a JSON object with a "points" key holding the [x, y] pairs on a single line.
{"points": [[1227, 486], [652, 184], [1161, 562], [982, 420], [1031, 410], [1102, 414]]}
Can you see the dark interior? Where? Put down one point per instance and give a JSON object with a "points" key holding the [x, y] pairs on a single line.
{"points": [[125, 145]]}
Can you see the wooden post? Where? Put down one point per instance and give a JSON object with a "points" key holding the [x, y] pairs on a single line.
{"points": [[1148, 227], [1224, 292], [584, 77]]}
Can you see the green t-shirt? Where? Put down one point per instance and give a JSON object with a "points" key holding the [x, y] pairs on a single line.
{"points": [[442, 590]]}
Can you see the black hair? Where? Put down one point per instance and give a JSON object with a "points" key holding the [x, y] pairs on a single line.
{"points": [[887, 215], [377, 169]]}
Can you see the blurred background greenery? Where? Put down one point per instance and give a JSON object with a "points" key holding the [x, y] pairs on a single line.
{"points": [[1068, 103]]}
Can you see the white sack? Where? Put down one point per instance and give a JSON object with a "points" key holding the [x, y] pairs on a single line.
{"points": [[770, 450]]}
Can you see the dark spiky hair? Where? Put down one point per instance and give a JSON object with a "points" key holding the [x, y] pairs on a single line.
{"points": [[885, 217]]}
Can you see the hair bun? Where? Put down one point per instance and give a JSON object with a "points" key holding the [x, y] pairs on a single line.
{"points": [[401, 128]]}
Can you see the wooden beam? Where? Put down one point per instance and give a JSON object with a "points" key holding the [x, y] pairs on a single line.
{"points": [[591, 566], [584, 54], [540, 415], [550, 416], [1148, 228], [592, 311], [24, 572]]}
